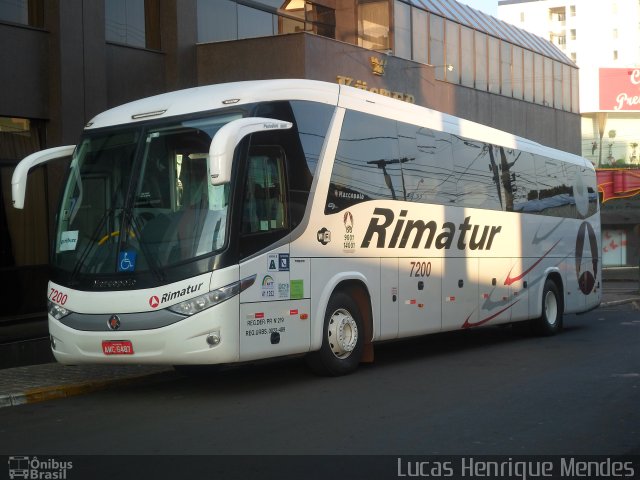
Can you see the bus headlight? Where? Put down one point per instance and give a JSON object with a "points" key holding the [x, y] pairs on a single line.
{"points": [[208, 300], [56, 311]]}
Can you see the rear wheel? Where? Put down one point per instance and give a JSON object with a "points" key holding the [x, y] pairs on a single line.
{"points": [[342, 338], [550, 322]]}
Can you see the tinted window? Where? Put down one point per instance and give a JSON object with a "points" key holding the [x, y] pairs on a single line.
{"points": [[302, 145], [554, 190], [264, 206], [477, 184], [521, 170], [367, 164], [312, 122], [428, 173]]}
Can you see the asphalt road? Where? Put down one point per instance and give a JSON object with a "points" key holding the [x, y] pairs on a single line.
{"points": [[483, 391]]}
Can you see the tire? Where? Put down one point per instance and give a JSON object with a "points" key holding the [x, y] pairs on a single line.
{"points": [[342, 338], [550, 322]]}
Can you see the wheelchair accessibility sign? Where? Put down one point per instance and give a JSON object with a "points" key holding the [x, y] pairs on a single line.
{"points": [[127, 261]]}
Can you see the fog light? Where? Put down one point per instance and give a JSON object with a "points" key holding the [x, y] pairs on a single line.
{"points": [[213, 339]]}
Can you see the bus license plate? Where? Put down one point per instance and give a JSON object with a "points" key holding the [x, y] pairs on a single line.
{"points": [[117, 347]]}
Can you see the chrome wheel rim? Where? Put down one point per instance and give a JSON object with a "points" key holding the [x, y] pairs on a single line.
{"points": [[551, 308], [342, 333]]}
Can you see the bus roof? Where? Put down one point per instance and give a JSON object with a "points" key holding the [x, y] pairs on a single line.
{"points": [[212, 97]]}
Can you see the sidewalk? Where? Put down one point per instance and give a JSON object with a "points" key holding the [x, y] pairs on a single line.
{"points": [[37, 383]]}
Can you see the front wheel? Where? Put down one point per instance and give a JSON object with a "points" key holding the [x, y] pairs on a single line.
{"points": [[342, 338], [550, 322]]}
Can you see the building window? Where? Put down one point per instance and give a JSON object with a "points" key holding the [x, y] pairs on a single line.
{"points": [[573, 34], [436, 45], [467, 57], [217, 21], [506, 85], [312, 18], [230, 20], [517, 68], [615, 54], [529, 79], [419, 24], [494, 64], [558, 15], [574, 57], [373, 24], [254, 23], [482, 59], [452, 52], [572, 10], [133, 22], [615, 33], [23, 12], [402, 30], [521, 17]]}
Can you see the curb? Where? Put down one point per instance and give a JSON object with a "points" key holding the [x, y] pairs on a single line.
{"points": [[43, 394], [614, 303]]}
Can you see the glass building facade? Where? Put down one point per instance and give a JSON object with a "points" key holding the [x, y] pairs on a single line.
{"points": [[466, 47]]}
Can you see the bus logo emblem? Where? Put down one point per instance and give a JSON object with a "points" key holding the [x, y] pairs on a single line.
{"points": [[114, 322], [154, 302]]}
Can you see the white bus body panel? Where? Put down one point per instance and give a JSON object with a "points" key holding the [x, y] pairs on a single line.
{"points": [[274, 312], [180, 342]]}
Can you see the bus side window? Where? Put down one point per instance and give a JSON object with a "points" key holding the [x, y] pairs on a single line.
{"points": [[265, 208]]}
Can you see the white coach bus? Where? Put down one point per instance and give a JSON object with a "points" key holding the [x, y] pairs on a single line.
{"points": [[249, 220]]}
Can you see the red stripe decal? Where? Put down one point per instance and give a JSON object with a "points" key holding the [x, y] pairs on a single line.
{"points": [[509, 280], [468, 324]]}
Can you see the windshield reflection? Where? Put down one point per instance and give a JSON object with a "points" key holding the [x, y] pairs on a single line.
{"points": [[140, 200]]}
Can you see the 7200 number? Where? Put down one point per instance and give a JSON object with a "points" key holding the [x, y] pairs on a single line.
{"points": [[420, 269], [57, 297]]}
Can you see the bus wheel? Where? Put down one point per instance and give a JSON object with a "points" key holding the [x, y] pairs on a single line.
{"points": [[342, 338], [550, 322]]}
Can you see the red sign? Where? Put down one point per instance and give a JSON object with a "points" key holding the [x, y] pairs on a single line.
{"points": [[117, 347], [618, 183], [620, 89]]}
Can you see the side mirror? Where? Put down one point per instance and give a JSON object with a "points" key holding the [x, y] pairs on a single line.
{"points": [[19, 178], [227, 139]]}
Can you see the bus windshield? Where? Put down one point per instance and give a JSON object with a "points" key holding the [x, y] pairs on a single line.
{"points": [[139, 199]]}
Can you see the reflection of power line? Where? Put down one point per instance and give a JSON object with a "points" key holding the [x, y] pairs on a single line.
{"points": [[382, 164]]}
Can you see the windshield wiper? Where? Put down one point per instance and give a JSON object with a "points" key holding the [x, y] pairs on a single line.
{"points": [[93, 240], [137, 230]]}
